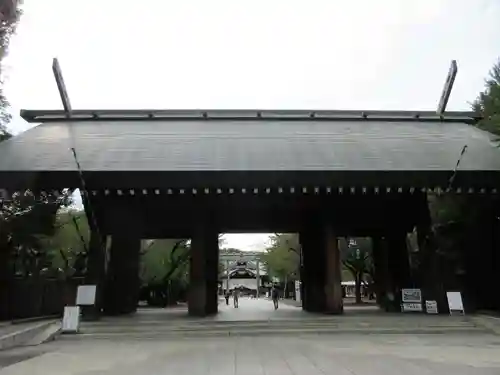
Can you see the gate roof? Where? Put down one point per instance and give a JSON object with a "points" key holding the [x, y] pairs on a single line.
{"points": [[244, 143]]}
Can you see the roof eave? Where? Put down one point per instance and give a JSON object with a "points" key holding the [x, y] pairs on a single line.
{"points": [[244, 114]]}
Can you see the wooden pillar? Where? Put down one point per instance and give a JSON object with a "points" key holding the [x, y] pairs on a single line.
{"points": [[257, 279], [305, 271], [381, 272], [203, 272], [122, 286], [333, 274], [96, 273], [314, 269], [399, 260], [6, 277]]}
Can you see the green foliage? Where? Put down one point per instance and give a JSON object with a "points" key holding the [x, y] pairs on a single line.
{"points": [[488, 102], [453, 216], [282, 257], [25, 220], [67, 248], [165, 260], [356, 255], [10, 13]]}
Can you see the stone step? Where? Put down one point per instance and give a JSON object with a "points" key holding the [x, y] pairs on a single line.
{"points": [[28, 334], [204, 324], [405, 324], [271, 331], [263, 325]]}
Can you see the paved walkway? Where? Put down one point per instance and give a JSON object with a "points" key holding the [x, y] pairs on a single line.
{"points": [[475, 352], [257, 309], [250, 309], [311, 355]]}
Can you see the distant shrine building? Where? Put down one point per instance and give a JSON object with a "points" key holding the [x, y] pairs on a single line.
{"points": [[244, 271]]}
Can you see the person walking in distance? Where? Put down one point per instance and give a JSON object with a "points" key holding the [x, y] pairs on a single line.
{"points": [[236, 294], [275, 296], [226, 296]]}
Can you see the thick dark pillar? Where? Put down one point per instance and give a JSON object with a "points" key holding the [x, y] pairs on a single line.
{"points": [[399, 260], [333, 277], [96, 273], [381, 271], [399, 266], [321, 276], [203, 272], [6, 276], [314, 269], [428, 273], [122, 285]]}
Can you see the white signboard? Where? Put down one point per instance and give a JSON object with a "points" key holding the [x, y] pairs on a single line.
{"points": [[409, 307], [455, 302], [297, 290], [71, 319], [85, 295], [431, 307], [411, 296]]}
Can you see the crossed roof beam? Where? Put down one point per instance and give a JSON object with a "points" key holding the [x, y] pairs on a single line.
{"points": [[93, 114]]}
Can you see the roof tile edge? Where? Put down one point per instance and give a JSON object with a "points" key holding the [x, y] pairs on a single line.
{"points": [[250, 114]]}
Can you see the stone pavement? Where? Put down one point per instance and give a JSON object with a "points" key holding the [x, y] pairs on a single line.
{"points": [[155, 352], [258, 317], [309, 355]]}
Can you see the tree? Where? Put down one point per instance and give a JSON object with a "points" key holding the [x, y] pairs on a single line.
{"points": [[67, 248], [25, 220], [488, 102], [282, 257], [9, 16], [164, 270], [356, 257]]}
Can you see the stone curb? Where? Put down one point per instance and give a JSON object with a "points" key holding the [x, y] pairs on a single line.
{"points": [[23, 335], [269, 332]]}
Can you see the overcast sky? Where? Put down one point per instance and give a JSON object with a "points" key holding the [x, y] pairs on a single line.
{"points": [[286, 54]]}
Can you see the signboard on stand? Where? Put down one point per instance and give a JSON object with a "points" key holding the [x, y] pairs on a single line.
{"points": [[85, 295], [431, 307], [71, 319], [411, 300], [455, 303], [297, 291], [412, 307]]}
